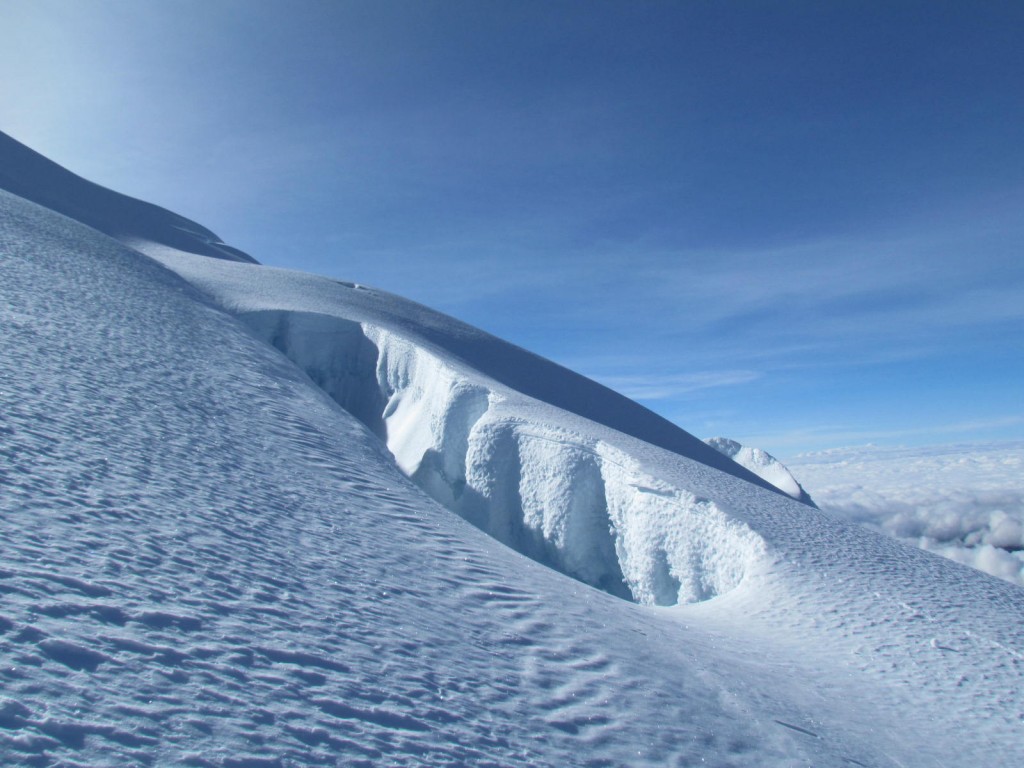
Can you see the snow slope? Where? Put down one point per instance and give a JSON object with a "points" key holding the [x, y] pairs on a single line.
{"points": [[569, 492], [236, 507], [30, 175]]}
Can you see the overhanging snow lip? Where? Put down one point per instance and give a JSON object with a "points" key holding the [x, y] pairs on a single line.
{"points": [[480, 450]]}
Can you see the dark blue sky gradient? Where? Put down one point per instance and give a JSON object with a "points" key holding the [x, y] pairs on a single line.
{"points": [[797, 224]]}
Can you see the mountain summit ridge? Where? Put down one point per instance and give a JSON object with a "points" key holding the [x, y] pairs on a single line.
{"points": [[28, 174]]}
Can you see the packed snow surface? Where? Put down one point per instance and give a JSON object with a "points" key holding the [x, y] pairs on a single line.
{"points": [[252, 517]]}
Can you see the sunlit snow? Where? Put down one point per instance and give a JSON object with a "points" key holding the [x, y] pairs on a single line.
{"points": [[252, 517]]}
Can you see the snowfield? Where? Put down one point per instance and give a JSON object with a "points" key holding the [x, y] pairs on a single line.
{"points": [[252, 517]]}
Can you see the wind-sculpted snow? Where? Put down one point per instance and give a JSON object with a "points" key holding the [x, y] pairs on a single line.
{"points": [[207, 560], [566, 498]]}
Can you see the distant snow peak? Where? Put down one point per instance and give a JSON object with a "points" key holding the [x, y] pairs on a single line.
{"points": [[762, 464]]}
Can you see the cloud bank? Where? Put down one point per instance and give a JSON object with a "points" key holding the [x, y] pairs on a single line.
{"points": [[964, 502]]}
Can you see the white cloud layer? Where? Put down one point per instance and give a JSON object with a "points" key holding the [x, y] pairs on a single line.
{"points": [[964, 502]]}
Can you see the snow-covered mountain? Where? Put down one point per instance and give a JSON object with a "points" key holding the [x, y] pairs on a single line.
{"points": [[252, 517], [762, 464]]}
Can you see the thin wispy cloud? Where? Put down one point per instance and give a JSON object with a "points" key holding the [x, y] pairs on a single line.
{"points": [[660, 387], [844, 435]]}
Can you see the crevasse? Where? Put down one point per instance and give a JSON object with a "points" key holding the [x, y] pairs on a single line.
{"points": [[568, 500]]}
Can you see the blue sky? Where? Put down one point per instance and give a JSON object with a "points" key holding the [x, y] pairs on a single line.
{"points": [[794, 224]]}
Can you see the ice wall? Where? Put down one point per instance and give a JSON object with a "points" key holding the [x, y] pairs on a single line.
{"points": [[564, 498]]}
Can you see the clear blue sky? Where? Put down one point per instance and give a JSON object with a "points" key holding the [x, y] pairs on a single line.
{"points": [[797, 224]]}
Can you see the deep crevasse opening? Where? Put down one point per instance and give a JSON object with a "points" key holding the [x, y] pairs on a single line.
{"points": [[569, 501]]}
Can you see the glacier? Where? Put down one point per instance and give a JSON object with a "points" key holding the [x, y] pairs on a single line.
{"points": [[252, 517], [565, 490]]}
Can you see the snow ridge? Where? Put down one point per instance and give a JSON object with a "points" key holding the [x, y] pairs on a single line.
{"points": [[568, 500], [136, 223]]}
